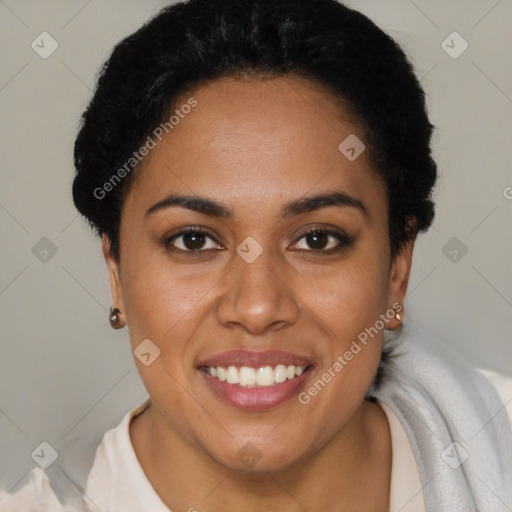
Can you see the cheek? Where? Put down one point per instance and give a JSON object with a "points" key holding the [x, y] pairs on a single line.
{"points": [[348, 302], [156, 295], [348, 297], [162, 305], [166, 304]]}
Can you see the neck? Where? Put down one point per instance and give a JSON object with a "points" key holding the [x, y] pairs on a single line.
{"points": [[351, 472]]}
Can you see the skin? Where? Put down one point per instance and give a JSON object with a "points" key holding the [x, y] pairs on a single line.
{"points": [[255, 145]]}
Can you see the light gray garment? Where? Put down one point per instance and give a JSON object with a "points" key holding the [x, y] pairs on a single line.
{"points": [[441, 399]]}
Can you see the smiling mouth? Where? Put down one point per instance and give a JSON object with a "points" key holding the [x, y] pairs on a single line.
{"points": [[250, 377]]}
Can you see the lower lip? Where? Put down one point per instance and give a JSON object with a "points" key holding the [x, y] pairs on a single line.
{"points": [[256, 399]]}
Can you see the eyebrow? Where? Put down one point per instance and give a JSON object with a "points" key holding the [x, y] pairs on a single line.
{"points": [[296, 207]]}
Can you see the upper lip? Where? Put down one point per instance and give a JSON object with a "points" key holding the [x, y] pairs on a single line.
{"points": [[255, 359]]}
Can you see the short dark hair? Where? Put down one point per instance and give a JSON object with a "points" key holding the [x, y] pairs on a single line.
{"points": [[197, 41]]}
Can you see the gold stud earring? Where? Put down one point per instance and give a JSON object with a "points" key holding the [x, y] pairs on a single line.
{"points": [[397, 313]]}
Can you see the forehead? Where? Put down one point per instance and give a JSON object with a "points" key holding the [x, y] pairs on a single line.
{"points": [[253, 140]]}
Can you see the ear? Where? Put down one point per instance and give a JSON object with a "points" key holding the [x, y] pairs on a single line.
{"points": [[116, 289], [398, 280]]}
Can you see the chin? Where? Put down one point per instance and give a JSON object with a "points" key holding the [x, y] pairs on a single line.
{"points": [[255, 456]]}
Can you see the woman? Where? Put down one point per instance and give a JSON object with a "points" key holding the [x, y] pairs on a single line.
{"points": [[258, 173]]}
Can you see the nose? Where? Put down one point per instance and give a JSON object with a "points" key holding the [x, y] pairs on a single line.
{"points": [[257, 297]]}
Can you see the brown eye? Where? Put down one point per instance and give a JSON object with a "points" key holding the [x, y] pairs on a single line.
{"points": [[191, 240], [323, 240], [317, 240]]}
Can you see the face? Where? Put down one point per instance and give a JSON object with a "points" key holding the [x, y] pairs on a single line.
{"points": [[228, 260]]}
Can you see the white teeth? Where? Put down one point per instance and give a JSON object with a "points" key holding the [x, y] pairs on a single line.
{"points": [[247, 376], [232, 375], [265, 376], [280, 373], [221, 373]]}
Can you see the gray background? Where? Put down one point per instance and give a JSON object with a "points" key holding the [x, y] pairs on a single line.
{"points": [[64, 373]]}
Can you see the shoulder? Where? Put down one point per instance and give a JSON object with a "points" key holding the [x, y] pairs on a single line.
{"points": [[503, 385], [37, 495]]}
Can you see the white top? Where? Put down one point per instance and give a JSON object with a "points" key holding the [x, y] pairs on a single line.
{"points": [[117, 482]]}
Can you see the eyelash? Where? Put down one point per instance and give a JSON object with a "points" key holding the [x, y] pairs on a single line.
{"points": [[343, 239]]}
